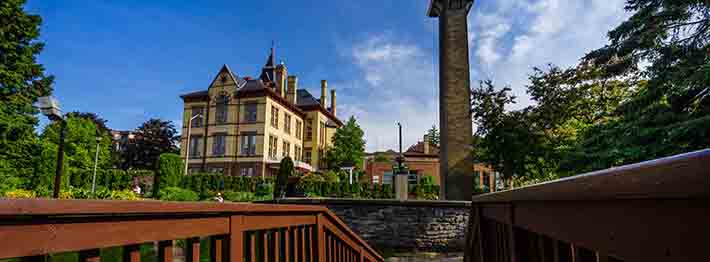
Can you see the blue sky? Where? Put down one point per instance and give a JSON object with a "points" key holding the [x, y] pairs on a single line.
{"points": [[129, 60]]}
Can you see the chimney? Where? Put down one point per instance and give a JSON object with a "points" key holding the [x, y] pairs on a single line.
{"points": [[426, 144], [332, 101], [291, 94], [323, 90], [281, 74]]}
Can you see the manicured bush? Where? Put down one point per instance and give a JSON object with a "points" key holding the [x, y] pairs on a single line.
{"points": [[178, 194], [239, 196], [169, 171]]}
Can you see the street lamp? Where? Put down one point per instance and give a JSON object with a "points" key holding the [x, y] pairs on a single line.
{"points": [[187, 142], [49, 106], [96, 162]]}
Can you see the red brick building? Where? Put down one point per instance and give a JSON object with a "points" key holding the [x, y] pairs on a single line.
{"points": [[422, 159]]}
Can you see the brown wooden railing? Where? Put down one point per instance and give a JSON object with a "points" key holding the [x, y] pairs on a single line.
{"points": [[652, 211], [32, 228]]}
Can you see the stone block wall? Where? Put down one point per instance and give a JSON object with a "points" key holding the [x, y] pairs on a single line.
{"points": [[424, 226]]}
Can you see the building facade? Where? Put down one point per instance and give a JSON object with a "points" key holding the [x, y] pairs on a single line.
{"points": [[422, 159], [243, 126]]}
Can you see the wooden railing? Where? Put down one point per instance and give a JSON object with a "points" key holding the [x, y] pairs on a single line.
{"points": [[652, 211], [32, 228]]}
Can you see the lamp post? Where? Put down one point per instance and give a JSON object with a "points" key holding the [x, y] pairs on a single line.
{"points": [[96, 163], [49, 106], [187, 142]]}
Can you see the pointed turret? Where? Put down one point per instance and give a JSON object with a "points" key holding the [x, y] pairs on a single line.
{"points": [[267, 73]]}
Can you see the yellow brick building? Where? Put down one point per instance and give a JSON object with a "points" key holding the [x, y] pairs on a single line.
{"points": [[245, 126]]}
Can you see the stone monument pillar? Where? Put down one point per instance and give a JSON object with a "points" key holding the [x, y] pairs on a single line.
{"points": [[456, 166]]}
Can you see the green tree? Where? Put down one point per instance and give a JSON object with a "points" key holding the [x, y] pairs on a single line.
{"points": [[434, 135], [79, 148], [98, 121], [348, 145], [22, 81], [669, 111], [285, 171], [154, 137]]}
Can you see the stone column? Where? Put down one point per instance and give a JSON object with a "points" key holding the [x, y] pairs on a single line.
{"points": [[456, 165]]}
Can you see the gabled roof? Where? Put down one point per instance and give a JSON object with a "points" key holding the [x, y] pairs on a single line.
{"points": [[196, 94], [305, 98], [418, 149]]}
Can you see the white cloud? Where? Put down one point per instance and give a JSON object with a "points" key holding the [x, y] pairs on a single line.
{"points": [[543, 31], [395, 82]]}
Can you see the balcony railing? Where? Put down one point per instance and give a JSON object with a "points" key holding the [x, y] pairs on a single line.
{"points": [[33, 228], [652, 211]]}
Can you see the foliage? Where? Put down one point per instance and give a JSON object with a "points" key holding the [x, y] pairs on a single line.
{"points": [[22, 81], [381, 157], [331, 176], [434, 136], [264, 189], [348, 146], [178, 194], [237, 196], [314, 188], [170, 171], [426, 192], [79, 148], [285, 171], [99, 122], [19, 193], [152, 138]]}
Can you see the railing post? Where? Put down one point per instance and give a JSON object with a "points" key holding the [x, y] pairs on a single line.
{"points": [[91, 255], [511, 234], [220, 249], [302, 236], [38, 258], [192, 249], [320, 232], [287, 246], [165, 251], [277, 243], [132, 253], [362, 255], [236, 239]]}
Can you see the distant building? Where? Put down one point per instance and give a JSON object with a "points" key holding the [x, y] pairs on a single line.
{"points": [[120, 140], [422, 159], [248, 125]]}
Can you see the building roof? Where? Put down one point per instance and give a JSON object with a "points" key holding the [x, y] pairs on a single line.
{"points": [[305, 98], [419, 148], [201, 93]]}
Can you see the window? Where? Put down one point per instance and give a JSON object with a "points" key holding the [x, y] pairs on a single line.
{"points": [[322, 133], [321, 158], [246, 171], [218, 144], [287, 123], [299, 131], [274, 117], [273, 143], [286, 151], [197, 110], [222, 110], [250, 112], [248, 144], [387, 178], [309, 130], [375, 179], [195, 146], [307, 156], [297, 153], [412, 178], [216, 170]]}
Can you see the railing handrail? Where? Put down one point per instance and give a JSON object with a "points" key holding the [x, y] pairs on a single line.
{"points": [[675, 177], [112, 210]]}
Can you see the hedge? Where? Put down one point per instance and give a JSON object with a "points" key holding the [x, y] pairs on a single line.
{"points": [[112, 179], [345, 190], [207, 184]]}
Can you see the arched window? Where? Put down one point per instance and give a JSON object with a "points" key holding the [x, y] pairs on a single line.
{"points": [[222, 109]]}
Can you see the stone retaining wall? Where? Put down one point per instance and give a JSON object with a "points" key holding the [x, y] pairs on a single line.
{"points": [[426, 226]]}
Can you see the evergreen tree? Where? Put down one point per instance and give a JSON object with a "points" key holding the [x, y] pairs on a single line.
{"points": [[434, 136], [22, 81], [285, 171], [348, 145]]}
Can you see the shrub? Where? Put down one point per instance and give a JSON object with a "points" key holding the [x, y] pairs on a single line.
{"points": [[265, 189], [20, 193], [331, 176], [124, 195], [285, 171], [169, 171], [178, 194], [239, 196]]}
